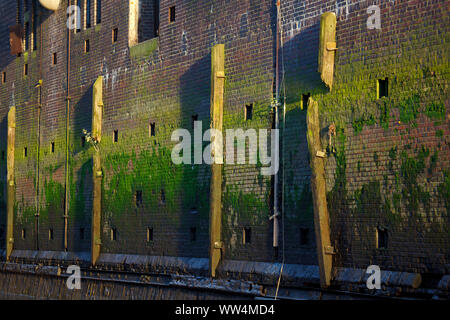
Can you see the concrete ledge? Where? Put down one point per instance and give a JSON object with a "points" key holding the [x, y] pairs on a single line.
{"points": [[155, 264], [29, 269], [393, 283], [144, 49], [388, 278], [57, 256], [268, 273]]}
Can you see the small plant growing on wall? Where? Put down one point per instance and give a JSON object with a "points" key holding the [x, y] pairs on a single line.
{"points": [[90, 139]]}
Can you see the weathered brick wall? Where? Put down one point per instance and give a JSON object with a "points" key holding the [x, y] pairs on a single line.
{"points": [[390, 168], [166, 81]]}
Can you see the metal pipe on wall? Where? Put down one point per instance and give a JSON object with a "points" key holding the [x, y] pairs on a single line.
{"points": [[276, 149], [66, 173]]}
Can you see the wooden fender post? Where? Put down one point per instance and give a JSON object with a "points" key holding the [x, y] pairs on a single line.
{"points": [[215, 216], [11, 190], [97, 115], [318, 188], [327, 48]]}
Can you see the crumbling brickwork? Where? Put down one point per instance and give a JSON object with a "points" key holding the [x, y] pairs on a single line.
{"points": [[387, 166]]}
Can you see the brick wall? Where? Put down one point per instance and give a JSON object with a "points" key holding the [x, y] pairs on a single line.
{"points": [[376, 177], [390, 166]]}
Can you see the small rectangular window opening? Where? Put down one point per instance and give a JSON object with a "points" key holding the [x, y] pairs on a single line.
{"points": [[304, 236], [3, 77], [383, 88], [27, 36], [247, 235], [138, 198], [156, 17], [152, 128], [149, 234], [25, 152], [193, 234], [172, 14], [194, 118], [50, 234], [88, 13], [249, 111], [55, 58], [116, 135], [305, 98], [162, 197], [98, 11], [382, 238], [24, 234], [25, 69], [86, 46], [77, 16], [115, 33], [113, 234], [53, 147]]}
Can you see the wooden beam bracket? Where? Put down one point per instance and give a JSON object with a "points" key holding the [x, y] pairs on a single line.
{"points": [[331, 46], [329, 250], [321, 154], [220, 74]]}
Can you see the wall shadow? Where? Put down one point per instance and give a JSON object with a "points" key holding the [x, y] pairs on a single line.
{"points": [[195, 97], [80, 175], [3, 178]]}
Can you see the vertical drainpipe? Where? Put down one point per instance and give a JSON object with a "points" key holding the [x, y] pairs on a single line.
{"points": [[38, 138], [276, 228], [66, 197]]}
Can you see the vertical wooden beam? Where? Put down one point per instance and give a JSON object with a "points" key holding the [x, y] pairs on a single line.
{"points": [[10, 180], [327, 47], [215, 216], [97, 115], [318, 188], [133, 18]]}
